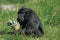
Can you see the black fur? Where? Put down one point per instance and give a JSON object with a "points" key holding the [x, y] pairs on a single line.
{"points": [[30, 21]]}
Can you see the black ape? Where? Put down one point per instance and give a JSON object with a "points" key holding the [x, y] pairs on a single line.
{"points": [[30, 21]]}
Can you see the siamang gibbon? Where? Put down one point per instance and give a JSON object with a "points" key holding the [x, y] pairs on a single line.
{"points": [[30, 22]]}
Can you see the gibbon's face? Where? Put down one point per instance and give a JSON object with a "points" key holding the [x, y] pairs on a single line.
{"points": [[21, 17]]}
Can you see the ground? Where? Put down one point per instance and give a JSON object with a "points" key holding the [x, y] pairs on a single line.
{"points": [[47, 10]]}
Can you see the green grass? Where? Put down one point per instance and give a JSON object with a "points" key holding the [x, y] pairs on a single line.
{"points": [[47, 10]]}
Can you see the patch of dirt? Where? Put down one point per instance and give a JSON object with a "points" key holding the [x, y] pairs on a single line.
{"points": [[9, 7]]}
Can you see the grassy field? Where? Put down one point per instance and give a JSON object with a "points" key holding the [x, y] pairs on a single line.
{"points": [[47, 10]]}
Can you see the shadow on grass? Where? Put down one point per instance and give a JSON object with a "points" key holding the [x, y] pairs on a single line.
{"points": [[4, 32]]}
